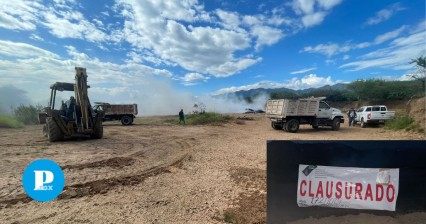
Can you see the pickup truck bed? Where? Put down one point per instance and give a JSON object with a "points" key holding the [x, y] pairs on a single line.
{"points": [[373, 115]]}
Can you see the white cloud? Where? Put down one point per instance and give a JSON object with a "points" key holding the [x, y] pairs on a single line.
{"points": [[36, 37], [346, 57], [230, 20], [331, 49], [403, 77], [266, 35], [261, 28], [198, 49], [313, 19], [396, 56], [385, 14], [328, 4], [302, 71], [41, 68], [261, 84], [68, 24], [389, 35], [23, 50], [313, 12], [19, 15], [193, 78], [309, 81]]}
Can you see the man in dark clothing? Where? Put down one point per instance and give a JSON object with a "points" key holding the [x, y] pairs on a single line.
{"points": [[181, 116], [351, 116], [70, 104]]}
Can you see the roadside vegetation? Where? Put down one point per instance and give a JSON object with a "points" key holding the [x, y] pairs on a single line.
{"points": [[369, 89], [22, 115], [9, 122], [403, 123], [206, 118], [27, 114]]}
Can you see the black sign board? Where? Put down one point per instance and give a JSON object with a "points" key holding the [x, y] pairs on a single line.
{"points": [[284, 157]]}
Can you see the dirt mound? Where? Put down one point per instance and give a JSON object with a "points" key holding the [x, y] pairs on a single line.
{"points": [[417, 110]]}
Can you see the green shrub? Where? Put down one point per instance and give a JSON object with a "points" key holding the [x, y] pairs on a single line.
{"points": [[9, 122], [208, 118], [403, 123], [27, 114]]}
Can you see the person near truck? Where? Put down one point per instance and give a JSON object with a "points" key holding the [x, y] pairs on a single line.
{"points": [[181, 116], [351, 116]]}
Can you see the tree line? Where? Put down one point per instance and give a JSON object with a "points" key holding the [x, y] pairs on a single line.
{"points": [[370, 89]]}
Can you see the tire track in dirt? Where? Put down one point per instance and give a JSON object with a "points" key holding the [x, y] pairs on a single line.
{"points": [[103, 186], [116, 162]]}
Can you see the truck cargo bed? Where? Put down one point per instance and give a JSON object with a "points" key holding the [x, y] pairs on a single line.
{"points": [[285, 107]]}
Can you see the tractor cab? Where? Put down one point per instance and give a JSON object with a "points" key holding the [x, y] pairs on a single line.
{"points": [[75, 116]]}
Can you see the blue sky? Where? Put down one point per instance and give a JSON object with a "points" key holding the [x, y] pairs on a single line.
{"points": [[176, 49]]}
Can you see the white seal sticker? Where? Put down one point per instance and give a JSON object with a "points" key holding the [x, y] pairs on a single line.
{"points": [[347, 187]]}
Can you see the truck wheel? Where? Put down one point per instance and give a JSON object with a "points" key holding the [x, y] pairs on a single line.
{"points": [[292, 126], [98, 132], [53, 132], [285, 127], [276, 126], [126, 120], [363, 124], [315, 126], [336, 124]]}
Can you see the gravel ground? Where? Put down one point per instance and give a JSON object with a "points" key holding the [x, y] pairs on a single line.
{"points": [[153, 172]]}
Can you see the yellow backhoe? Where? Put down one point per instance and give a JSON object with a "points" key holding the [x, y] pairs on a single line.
{"points": [[75, 117]]}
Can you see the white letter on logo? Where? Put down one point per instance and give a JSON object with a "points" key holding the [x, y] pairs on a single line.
{"points": [[39, 182]]}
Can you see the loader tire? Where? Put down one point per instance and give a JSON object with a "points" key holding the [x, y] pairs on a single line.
{"points": [[98, 131], [53, 131], [45, 130], [126, 120], [292, 126]]}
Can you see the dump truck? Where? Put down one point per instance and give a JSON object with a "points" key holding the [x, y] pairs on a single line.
{"points": [[288, 114], [75, 117], [122, 112]]}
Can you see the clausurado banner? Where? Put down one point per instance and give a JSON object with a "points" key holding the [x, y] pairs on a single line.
{"points": [[347, 187]]}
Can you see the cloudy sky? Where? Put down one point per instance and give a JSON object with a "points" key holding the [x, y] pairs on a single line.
{"points": [[152, 50]]}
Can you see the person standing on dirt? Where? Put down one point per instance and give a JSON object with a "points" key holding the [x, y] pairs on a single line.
{"points": [[181, 116], [351, 116]]}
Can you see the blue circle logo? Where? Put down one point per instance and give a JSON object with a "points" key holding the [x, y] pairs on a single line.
{"points": [[43, 180]]}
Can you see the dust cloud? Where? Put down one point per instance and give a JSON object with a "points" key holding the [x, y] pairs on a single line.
{"points": [[11, 98], [154, 97], [159, 97]]}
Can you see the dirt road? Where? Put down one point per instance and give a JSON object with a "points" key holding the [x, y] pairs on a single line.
{"points": [[153, 172]]}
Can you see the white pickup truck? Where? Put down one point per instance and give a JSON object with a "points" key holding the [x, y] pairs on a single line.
{"points": [[377, 114]]}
